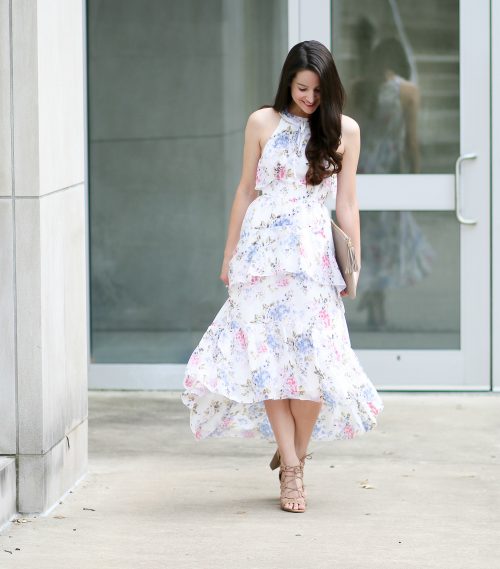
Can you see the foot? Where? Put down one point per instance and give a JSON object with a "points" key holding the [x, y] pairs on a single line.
{"points": [[292, 492], [303, 462], [276, 460]]}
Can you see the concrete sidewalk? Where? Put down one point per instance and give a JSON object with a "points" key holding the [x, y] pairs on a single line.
{"points": [[154, 497]]}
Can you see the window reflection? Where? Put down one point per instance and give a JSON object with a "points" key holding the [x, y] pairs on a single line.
{"points": [[399, 63], [396, 255], [386, 104], [408, 291], [171, 85]]}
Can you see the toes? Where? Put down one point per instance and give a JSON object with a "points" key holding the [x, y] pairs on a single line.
{"points": [[295, 506]]}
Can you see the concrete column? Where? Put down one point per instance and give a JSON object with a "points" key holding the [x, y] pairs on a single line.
{"points": [[43, 272]]}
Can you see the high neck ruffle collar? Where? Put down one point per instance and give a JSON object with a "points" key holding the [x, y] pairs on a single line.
{"points": [[294, 119]]}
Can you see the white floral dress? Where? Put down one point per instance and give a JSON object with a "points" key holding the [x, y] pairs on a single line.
{"points": [[282, 331]]}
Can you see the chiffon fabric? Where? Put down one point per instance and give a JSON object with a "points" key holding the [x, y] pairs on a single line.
{"points": [[282, 332]]}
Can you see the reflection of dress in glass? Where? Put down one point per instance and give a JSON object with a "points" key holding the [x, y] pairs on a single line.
{"points": [[395, 251], [282, 332]]}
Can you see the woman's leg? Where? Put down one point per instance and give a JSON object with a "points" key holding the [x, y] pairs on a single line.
{"points": [[283, 425], [305, 414], [292, 421]]}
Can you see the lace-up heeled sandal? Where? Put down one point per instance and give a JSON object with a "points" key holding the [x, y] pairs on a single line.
{"points": [[288, 482], [276, 460]]}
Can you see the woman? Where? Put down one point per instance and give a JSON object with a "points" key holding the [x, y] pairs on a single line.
{"points": [[386, 103], [276, 362]]}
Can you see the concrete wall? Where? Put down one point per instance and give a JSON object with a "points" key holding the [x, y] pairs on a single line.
{"points": [[43, 307], [8, 506], [170, 89]]}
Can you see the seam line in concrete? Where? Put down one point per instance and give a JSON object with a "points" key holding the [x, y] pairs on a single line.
{"points": [[41, 196], [57, 442]]}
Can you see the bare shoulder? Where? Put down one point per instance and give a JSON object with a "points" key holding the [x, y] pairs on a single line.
{"points": [[350, 128], [408, 91], [262, 123], [263, 117], [350, 134]]}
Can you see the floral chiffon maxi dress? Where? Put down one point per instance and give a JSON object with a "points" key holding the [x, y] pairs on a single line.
{"points": [[282, 332]]}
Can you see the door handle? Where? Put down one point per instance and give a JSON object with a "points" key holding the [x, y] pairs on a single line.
{"points": [[458, 202]]}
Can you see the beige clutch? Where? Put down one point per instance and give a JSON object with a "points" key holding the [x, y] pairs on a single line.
{"points": [[346, 259]]}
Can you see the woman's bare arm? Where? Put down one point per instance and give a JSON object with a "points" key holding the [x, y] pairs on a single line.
{"points": [[347, 209], [245, 192], [410, 101]]}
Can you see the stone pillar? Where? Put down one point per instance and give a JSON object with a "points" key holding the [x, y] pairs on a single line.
{"points": [[43, 267]]}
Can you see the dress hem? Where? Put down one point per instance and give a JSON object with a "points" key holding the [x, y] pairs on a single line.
{"points": [[223, 429]]}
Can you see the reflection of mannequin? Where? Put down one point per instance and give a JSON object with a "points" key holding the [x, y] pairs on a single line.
{"points": [[395, 251]]}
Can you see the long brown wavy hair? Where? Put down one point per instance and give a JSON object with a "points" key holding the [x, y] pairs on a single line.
{"points": [[325, 122]]}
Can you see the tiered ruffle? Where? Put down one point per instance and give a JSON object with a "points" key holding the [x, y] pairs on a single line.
{"points": [[278, 336], [285, 236]]}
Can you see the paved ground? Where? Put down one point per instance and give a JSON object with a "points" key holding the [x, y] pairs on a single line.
{"points": [[154, 497]]}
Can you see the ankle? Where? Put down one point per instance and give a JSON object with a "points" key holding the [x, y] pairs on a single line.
{"points": [[290, 459], [301, 453]]}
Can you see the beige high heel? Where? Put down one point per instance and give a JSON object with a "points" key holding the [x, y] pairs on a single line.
{"points": [[276, 461], [289, 474]]}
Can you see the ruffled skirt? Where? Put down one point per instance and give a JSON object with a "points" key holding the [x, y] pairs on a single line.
{"points": [[276, 337]]}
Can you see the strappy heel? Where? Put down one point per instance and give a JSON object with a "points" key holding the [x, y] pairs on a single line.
{"points": [[276, 461], [289, 474]]}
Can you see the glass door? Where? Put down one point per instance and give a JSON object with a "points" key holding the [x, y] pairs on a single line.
{"points": [[170, 88], [417, 82]]}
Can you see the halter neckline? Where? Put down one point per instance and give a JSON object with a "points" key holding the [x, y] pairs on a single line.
{"points": [[296, 119]]}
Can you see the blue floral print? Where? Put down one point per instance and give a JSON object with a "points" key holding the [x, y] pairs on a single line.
{"points": [[282, 333], [304, 344], [278, 311], [261, 377]]}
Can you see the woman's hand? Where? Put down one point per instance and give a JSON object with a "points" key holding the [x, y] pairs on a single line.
{"points": [[225, 269], [343, 292]]}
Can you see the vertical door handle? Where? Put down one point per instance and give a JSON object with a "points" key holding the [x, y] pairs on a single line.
{"points": [[458, 201]]}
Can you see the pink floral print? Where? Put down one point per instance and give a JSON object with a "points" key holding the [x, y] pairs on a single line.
{"points": [[282, 331]]}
